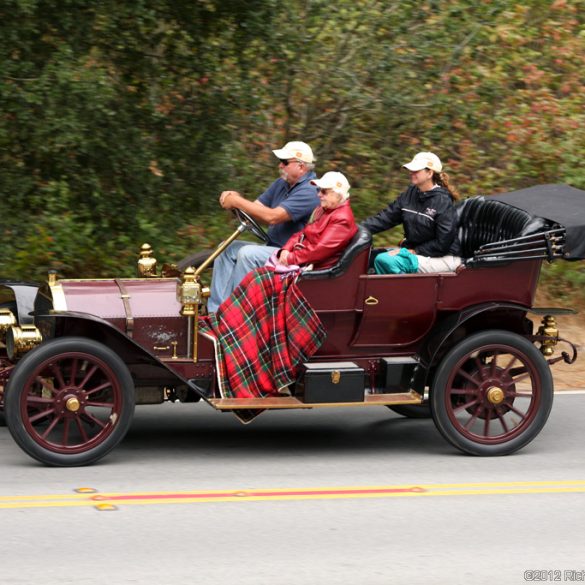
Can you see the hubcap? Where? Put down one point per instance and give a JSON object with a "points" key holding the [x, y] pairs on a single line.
{"points": [[72, 404], [495, 395]]}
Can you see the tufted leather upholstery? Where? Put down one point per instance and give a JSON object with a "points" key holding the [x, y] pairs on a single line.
{"points": [[482, 221], [361, 241]]}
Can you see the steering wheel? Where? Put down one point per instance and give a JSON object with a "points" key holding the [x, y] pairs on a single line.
{"points": [[250, 224]]}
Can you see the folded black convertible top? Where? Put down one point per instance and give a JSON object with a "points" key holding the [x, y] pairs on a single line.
{"points": [[558, 203]]}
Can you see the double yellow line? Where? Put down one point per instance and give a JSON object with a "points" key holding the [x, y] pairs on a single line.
{"points": [[113, 500]]}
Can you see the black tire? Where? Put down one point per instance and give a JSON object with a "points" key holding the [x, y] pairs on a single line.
{"points": [[492, 379], [69, 402], [412, 410]]}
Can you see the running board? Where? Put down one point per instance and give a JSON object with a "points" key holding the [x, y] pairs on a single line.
{"points": [[277, 402]]}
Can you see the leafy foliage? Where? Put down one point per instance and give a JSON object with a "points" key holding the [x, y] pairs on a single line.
{"points": [[121, 122]]}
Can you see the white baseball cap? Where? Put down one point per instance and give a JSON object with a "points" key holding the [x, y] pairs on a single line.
{"points": [[335, 181], [424, 160], [299, 150]]}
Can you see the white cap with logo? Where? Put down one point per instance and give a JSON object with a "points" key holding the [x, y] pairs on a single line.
{"points": [[335, 181], [424, 160], [299, 150]]}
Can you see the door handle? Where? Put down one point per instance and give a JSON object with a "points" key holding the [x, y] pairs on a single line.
{"points": [[371, 301]]}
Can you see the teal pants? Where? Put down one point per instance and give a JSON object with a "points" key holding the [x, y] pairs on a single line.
{"points": [[402, 263]]}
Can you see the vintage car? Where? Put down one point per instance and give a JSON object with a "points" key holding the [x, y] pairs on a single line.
{"points": [[78, 355]]}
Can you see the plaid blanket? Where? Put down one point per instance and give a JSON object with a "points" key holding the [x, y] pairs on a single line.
{"points": [[262, 334]]}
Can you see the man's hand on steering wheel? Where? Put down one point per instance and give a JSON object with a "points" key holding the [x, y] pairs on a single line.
{"points": [[250, 224]]}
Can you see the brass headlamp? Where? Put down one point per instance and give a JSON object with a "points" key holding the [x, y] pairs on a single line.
{"points": [[20, 339], [189, 292], [7, 320]]}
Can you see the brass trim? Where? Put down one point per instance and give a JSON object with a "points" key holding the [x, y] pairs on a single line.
{"points": [[127, 308], [335, 376], [220, 249], [72, 404], [7, 320], [20, 339], [286, 402], [549, 330], [57, 293], [146, 262], [371, 301], [495, 395]]}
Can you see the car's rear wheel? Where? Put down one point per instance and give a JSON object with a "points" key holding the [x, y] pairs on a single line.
{"points": [[69, 402], [492, 393]]}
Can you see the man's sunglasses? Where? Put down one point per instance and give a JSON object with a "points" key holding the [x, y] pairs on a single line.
{"points": [[286, 162]]}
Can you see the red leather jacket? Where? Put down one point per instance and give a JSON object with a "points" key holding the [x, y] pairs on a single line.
{"points": [[324, 237]]}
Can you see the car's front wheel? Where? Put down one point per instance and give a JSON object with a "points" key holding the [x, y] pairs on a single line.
{"points": [[492, 393], [69, 402]]}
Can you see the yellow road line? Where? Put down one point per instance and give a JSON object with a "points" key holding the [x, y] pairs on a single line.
{"points": [[107, 500]]}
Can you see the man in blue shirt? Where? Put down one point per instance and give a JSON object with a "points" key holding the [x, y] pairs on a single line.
{"points": [[285, 206]]}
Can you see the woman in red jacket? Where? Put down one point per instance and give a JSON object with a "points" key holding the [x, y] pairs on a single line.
{"points": [[329, 230], [266, 328]]}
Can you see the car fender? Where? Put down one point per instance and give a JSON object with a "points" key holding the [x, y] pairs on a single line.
{"points": [[442, 337], [70, 323], [24, 296]]}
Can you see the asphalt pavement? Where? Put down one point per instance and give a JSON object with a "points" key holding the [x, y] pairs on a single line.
{"points": [[326, 496]]}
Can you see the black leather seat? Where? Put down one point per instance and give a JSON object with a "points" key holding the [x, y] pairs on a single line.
{"points": [[483, 221], [361, 241]]}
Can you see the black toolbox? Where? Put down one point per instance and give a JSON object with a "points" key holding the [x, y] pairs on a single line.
{"points": [[331, 382]]}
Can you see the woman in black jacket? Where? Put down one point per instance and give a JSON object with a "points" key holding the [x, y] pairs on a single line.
{"points": [[430, 223]]}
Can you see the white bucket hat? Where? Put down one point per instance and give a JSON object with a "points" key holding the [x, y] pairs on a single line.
{"points": [[424, 160], [299, 150], [335, 181]]}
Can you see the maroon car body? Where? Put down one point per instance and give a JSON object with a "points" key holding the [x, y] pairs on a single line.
{"points": [[459, 347]]}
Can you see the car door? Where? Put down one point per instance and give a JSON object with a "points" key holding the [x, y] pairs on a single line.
{"points": [[396, 310]]}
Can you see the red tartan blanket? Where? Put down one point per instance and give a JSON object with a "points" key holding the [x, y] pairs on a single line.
{"points": [[262, 333]]}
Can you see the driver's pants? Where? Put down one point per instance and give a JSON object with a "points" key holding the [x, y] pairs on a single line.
{"points": [[231, 266]]}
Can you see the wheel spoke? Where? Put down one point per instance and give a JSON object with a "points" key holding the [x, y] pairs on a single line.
{"points": [[494, 364], [467, 376], [520, 378], [88, 376], [502, 420], [473, 418], [479, 365], [521, 414], [98, 388], [66, 424], [41, 415], [507, 368], [74, 368], [43, 382], [486, 424], [464, 406], [94, 420], [39, 400], [81, 430], [58, 375], [463, 391], [51, 427], [101, 404]]}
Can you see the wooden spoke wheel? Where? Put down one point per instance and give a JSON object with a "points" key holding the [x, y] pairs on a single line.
{"points": [[69, 402], [492, 393]]}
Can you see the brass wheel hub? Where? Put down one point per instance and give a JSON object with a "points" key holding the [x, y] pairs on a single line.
{"points": [[72, 404], [495, 395]]}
